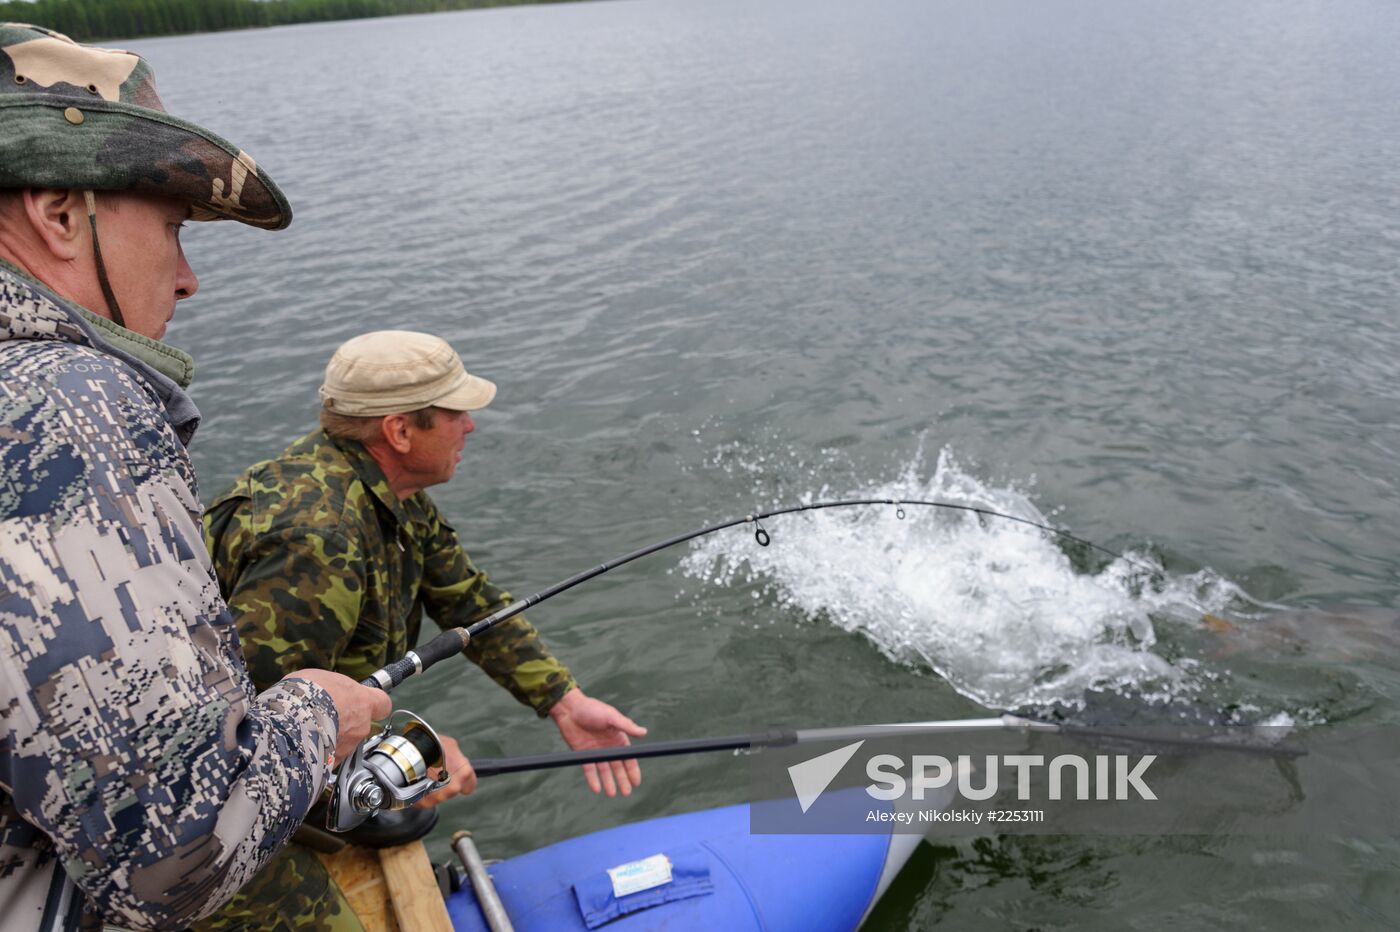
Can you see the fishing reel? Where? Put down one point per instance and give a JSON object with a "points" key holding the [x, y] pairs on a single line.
{"points": [[388, 770]]}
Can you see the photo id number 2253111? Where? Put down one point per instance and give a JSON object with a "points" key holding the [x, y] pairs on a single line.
{"points": [[1015, 815]]}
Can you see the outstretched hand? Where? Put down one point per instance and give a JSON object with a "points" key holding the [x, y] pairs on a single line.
{"points": [[586, 723]]}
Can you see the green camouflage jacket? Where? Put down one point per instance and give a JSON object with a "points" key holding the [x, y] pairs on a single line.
{"points": [[135, 759], [324, 567]]}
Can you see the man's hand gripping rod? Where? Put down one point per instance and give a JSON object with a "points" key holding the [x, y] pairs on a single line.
{"points": [[391, 769]]}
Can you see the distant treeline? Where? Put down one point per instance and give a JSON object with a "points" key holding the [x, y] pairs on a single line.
{"points": [[106, 19]]}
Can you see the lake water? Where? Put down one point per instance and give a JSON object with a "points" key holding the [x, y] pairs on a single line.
{"points": [[1128, 268]]}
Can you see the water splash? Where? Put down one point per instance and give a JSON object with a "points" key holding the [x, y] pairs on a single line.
{"points": [[995, 607]]}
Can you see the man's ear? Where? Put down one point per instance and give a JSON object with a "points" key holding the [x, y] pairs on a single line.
{"points": [[394, 429], [58, 217]]}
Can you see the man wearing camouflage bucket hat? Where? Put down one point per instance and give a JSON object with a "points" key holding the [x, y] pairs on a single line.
{"points": [[330, 555], [142, 781]]}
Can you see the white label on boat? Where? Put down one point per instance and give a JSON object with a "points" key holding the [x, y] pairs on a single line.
{"points": [[636, 876]]}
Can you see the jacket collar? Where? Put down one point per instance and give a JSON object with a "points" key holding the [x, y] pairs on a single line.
{"points": [[369, 473], [29, 310]]}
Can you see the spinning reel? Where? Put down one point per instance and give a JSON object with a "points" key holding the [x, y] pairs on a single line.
{"points": [[387, 771]]}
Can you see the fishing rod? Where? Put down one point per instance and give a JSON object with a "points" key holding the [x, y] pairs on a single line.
{"points": [[392, 769], [455, 640], [787, 737]]}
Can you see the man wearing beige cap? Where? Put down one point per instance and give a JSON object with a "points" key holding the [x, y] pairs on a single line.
{"points": [[330, 554]]}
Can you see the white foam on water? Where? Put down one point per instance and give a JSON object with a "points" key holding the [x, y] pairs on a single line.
{"points": [[992, 606]]}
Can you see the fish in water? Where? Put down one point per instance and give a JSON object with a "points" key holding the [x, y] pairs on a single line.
{"points": [[1333, 635]]}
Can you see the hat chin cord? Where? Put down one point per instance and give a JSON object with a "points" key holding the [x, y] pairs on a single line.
{"points": [[102, 280]]}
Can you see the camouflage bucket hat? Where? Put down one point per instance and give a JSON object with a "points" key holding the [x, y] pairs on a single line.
{"points": [[77, 116]]}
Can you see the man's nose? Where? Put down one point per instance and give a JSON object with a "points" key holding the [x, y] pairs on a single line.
{"points": [[186, 282]]}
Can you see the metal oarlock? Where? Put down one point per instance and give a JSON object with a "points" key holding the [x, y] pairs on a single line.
{"points": [[492, 909], [389, 770]]}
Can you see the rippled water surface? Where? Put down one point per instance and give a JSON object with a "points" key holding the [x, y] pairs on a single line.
{"points": [[1127, 268]]}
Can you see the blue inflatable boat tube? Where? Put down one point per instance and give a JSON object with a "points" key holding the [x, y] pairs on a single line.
{"points": [[698, 870]]}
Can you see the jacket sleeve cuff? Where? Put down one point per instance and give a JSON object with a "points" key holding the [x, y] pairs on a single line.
{"points": [[311, 712], [543, 701]]}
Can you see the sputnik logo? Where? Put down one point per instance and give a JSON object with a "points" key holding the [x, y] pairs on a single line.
{"points": [[933, 771], [811, 777]]}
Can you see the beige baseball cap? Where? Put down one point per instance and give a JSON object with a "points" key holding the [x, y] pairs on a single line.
{"points": [[394, 371]]}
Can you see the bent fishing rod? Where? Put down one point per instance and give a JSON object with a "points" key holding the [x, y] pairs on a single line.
{"points": [[455, 640], [392, 769]]}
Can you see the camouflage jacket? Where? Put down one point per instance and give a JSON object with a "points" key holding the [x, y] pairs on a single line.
{"points": [[323, 566], [134, 754]]}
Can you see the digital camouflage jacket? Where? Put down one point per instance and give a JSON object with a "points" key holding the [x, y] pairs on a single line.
{"points": [[323, 566], [134, 753]]}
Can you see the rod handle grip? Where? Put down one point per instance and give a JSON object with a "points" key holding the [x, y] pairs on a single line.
{"points": [[448, 644]]}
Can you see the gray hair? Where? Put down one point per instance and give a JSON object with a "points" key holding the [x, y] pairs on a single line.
{"points": [[364, 430]]}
